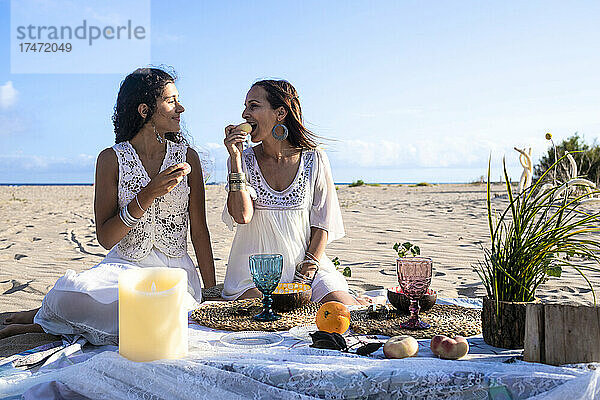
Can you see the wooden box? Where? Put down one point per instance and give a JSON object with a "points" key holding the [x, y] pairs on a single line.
{"points": [[562, 334]]}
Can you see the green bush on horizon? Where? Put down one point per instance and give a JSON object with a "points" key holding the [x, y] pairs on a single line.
{"points": [[586, 156], [421, 184], [359, 182]]}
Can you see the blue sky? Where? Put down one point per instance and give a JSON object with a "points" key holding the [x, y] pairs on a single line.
{"points": [[407, 91]]}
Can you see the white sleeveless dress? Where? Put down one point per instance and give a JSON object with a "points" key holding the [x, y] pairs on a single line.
{"points": [[86, 304], [281, 224]]}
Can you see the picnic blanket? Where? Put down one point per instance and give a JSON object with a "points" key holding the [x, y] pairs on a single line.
{"points": [[290, 370]]}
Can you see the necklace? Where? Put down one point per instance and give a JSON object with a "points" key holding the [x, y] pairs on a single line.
{"points": [[278, 157]]}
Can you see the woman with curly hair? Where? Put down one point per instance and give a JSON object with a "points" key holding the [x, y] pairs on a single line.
{"points": [[281, 197], [148, 187]]}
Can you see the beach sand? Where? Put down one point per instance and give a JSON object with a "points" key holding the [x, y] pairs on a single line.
{"points": [[45, 230]]}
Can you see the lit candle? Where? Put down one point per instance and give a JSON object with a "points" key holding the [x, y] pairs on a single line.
{"points": [[152, 318]]}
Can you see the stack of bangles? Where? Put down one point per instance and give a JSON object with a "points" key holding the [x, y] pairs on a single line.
{"points": [[299, 276], [129, 220], [237, 181]]}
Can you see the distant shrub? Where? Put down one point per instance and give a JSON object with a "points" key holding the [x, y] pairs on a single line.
{"points": [[359, 182], [423, 184], [587, 159]]}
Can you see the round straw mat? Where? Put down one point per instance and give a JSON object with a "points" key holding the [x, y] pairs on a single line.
{"points": [[237, 315], [449, 320]]}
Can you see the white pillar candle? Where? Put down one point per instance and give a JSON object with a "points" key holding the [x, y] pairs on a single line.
{"points": [[152, 318]]}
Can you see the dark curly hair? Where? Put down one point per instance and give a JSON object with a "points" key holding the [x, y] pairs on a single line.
{"points": [[142, 86], [282, 93]]}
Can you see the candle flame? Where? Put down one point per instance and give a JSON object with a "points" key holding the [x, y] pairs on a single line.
{"points": [[153, 287]]}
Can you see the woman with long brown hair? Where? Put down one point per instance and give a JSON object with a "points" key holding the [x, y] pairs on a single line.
{"points": [[149, 187], [281, 197]]}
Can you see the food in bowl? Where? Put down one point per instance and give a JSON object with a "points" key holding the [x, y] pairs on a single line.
{"points": [[289, 296]]}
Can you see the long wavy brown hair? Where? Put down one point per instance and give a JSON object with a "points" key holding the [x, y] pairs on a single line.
{"points": [[281, 93]]}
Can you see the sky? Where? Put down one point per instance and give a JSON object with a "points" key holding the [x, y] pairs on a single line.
{"points": [[400, 91]]}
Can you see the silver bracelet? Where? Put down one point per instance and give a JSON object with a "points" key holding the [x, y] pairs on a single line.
{"points": [[122, 218], [130, 217], [236, 187], [310, 256], [129, 220], [300, 277], [138, 203], [122, 214]]}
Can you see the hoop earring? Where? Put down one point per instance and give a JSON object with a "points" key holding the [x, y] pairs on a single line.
{"points": [[283, 136], [159, 138]]}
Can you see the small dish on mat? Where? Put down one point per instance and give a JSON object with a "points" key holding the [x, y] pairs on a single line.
{"points": [[249, 339]]}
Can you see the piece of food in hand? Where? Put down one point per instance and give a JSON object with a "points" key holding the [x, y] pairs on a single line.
{"points": [[185, 167], [245, 127], [401, 347], [333, 316], [448, 348]]}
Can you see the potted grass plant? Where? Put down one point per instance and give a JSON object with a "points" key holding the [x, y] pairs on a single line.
{"points": [[541, 231]]}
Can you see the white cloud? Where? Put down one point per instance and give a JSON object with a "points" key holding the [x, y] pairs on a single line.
{"points": [[31, 168], [8, 95], [217, 151], [30, 162], [445, 152]]}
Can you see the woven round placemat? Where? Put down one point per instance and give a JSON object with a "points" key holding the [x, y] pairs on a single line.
{"points": [[449, 320], [237, 316], [212, 292]]}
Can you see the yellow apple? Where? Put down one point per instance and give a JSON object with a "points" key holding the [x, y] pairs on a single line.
{"points": [[401, 347]]}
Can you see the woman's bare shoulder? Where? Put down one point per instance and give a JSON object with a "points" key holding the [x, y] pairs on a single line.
{"points": [[107, 162]]}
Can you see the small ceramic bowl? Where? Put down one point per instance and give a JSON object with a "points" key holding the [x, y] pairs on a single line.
{"points": [[401, 302], [289, 296]]}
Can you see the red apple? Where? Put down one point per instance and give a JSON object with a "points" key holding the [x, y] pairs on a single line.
{"points": [[450, 349]]}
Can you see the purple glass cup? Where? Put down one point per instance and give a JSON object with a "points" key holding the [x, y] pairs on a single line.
{"points": [[414, 276]]}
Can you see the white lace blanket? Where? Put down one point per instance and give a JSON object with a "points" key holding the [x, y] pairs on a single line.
{"points": [[292, 370]]}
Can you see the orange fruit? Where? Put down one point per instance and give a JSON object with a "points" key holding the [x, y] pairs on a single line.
{"points": [[333, 316]]}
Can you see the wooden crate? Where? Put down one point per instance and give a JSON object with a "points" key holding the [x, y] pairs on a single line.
{"points": [[562, 334]]}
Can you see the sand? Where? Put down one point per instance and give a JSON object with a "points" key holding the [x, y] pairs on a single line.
{"points": [[45, 230]]}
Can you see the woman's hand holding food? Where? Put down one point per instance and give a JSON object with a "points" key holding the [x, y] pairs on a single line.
{"points": [[163, 183], [235, 136]]}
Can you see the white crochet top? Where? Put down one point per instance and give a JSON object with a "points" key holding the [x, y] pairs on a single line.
{"points": [[164, 224]]}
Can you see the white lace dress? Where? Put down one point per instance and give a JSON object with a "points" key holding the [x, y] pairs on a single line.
{"points": [[281, 224], [86, 303]]}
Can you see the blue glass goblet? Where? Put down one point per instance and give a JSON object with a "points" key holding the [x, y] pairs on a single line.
{"points": [[266, 273]]}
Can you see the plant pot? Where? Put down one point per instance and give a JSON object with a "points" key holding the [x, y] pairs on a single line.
{"points": [[505, 329]]}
